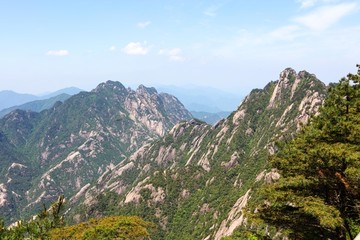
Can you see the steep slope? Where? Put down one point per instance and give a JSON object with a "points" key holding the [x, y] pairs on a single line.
{"points": [[71, 144], [195, 181], [12, 174]]}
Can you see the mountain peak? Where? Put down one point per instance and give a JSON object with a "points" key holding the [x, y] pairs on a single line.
{"points": [[110, 85], [143, 89], [288, 84], [287, 73]]}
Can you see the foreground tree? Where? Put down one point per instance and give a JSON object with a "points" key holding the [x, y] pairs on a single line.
{"points": [[49, 224], [38, 227], [318, 195], [116, 227]]}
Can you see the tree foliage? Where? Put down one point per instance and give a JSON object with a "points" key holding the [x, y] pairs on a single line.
{"points": [[116, 227], [318, 195], [49, 224], [39, 226]]}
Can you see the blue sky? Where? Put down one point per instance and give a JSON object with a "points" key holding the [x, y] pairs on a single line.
{"points": [[232, 45]]}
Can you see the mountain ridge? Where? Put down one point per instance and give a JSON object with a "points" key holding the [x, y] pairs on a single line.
{"points": [[82, 136], [195, 181]]}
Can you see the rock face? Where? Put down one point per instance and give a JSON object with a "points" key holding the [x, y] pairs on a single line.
{"points": [[195, 181], [63, 149]]}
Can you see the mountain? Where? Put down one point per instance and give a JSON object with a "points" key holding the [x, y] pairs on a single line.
{"points": [[195, 181], [65, 148], [210, 118], [204, 99], [37, 105], [69, 91], [10, 98]]}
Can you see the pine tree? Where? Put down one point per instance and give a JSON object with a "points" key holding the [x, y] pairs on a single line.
{"points": [[318, 195]]}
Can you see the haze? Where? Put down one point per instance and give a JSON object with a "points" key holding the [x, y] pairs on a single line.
{"points": [[233, 46]]}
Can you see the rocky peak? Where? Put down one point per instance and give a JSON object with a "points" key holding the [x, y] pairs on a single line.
{"points": [[286, 74], [289, 80], [110, 85], [146, 90]]}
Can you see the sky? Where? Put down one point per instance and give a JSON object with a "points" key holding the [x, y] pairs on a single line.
{"points": [[231, 45]]}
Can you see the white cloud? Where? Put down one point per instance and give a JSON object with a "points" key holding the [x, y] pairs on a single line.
{"points": [[312, 3], [59, 53], [174, 54], [324, 17], [136, 48], [112, 48], [143, 24]]}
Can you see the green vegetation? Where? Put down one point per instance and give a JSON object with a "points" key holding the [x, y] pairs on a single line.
{"points": [[116, 227], [188, 182], [67, 147], [49, 224], [318, 195], [197, 199], [38, 227]]}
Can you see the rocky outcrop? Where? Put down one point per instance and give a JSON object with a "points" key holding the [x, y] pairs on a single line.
{"points": [[234, 219]]}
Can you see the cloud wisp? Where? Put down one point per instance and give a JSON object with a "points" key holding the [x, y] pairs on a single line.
{"points": [[173, 54], [136, 48], [325, 17], [307, 3], [143, 24], [211, 11], [58, 53]]}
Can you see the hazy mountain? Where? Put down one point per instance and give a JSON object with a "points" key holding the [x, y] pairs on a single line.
{"points": [[68, 91], [37, 105], [10, 99], [65, 148], [204, 99], [210, 118], [195, 181]]}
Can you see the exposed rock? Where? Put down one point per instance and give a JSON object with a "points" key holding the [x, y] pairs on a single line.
{"points": [[185, 193], [157, 194], [235, 218], [204, 208], [233, 161], [3, 195], [239, 115], [271, 176]]}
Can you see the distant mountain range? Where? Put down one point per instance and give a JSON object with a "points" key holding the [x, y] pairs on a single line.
{"points": [[204, 99], [37, 105], [206, 104], [210, 118], [10, 99]]}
